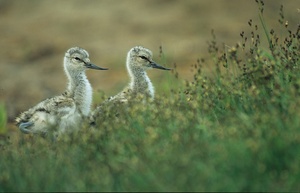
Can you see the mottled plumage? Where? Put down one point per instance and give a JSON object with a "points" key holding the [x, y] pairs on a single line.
{"points": [[67, 110], [139, 60]]}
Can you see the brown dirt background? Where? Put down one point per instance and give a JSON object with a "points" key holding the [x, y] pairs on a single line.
{"points": [[36, 33]]}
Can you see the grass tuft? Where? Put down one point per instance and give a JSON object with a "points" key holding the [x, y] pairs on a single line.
{"points": [[3, 119]]}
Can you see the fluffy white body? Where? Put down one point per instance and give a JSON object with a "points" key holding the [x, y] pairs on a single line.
{"points": [[66, 111], [139, 60]]}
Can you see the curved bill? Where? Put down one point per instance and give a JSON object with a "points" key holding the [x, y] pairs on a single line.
{"points": [[155, 65], [93, 66]]}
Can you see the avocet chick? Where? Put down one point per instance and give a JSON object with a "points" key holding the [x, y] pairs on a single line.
{"points": [[139, 60], [67, 110]]}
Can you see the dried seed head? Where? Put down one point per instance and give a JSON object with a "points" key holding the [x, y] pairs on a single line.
{"points": [[250, 22], [242, 34]]}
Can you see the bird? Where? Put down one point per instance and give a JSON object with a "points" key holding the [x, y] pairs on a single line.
{"points": [[66, 111], [139, 60]]}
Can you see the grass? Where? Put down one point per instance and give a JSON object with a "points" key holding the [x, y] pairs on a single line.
{"points": [[3, 118], [235, 130]]}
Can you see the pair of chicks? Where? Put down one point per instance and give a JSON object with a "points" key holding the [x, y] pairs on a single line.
{"points": [[66, 111]]}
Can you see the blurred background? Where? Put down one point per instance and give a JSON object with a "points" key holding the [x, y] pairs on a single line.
{"points": [[35, 35]]}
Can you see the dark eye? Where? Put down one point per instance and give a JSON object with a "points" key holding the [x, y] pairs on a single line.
{"points": [[78, 59], [144, 58]]}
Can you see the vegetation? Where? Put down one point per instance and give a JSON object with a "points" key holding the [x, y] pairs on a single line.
{"points": [[3, 118], [234, 130]]}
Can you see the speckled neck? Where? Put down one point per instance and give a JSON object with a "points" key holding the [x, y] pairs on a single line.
{"points": [[140, 82], [80, 90]]}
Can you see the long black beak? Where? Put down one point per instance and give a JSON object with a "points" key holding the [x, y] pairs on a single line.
{"points": [[155, 65], [93, 66]]}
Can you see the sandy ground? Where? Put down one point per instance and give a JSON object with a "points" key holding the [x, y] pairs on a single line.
{"points": [[36, 33]]}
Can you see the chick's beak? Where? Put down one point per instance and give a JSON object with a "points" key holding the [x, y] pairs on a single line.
{"points": [[93, 66], [155, 65]]}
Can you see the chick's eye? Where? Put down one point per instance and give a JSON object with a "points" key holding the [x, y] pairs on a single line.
{"points": [[78, 59], [144, 57]]}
